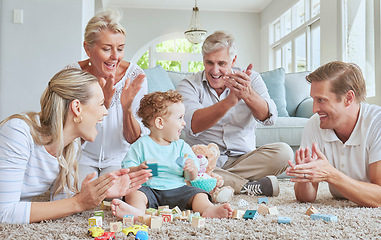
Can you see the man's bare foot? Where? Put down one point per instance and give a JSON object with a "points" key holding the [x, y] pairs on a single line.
{"points": [[120, 208], [219, 211]]}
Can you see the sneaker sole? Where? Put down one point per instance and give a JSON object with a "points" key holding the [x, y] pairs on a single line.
{"points": [[275, 185]]}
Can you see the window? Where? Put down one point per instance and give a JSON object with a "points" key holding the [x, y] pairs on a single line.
{"points": [[173, 52], [295, 38], [359, 40]]}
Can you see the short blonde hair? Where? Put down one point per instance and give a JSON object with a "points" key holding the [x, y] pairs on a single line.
{"points": [[105, 19], [343, 77], [156, 104]]}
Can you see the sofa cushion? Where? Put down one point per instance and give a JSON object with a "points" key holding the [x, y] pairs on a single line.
{"points": [[176, 77], [297, 90], [274, 81], [286, 129], [158, 79]]}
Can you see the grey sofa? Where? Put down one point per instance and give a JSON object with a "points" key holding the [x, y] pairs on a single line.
{"points": [[290, 93]]}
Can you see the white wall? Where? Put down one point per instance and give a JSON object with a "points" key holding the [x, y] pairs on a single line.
{"points": [[144, 25], [32, 52]]}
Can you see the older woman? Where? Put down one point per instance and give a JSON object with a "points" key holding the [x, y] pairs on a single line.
{"points": [[39, 152], [123, 85]]}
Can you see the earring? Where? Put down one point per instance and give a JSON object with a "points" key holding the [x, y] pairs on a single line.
{"points": [[89, 63], [78, 121]]}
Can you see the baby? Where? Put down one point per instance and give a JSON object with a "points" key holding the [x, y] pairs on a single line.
{"points": [[163, 114]]}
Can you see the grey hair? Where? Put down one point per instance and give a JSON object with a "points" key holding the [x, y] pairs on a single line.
{"points": [[104, 20], [218, 40]]}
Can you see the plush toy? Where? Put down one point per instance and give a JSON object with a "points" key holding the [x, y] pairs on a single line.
{"points": [[208, 156]]}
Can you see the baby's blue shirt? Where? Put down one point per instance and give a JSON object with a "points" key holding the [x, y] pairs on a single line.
{"points": [[170, 175]]}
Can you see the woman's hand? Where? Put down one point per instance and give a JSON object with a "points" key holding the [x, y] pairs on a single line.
{"points": [[127, 182], [94, 191], [108, 88], [130, 90]]}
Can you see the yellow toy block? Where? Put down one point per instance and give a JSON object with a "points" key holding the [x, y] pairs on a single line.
{"points": [[95, 221]]}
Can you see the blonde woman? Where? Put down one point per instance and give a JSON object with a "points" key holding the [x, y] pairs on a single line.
{"points": [[123, 85], [39, 151]]}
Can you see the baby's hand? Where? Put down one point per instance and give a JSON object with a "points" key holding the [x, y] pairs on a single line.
{"points": [[189, 166], [143, 165]]}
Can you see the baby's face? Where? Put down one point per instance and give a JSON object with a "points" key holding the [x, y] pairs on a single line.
{"points": [[174, 122]]}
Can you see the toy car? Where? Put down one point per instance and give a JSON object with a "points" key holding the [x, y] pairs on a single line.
{"points": [[134, 229], [141, 235], [106, 236], [95, 231]]}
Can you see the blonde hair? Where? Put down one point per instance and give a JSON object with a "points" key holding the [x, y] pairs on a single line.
{"points": [[156, 104], [47, 126], [343, 77], [218, 40], [105, 19]]}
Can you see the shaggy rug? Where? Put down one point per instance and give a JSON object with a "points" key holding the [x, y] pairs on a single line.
{"points": [[353, 222]]}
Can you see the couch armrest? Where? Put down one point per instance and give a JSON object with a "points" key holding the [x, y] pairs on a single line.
{"points": [[304, 109]]}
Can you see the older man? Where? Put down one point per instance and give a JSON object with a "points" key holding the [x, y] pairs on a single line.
{"points": [[344, 137], [223, 105]]}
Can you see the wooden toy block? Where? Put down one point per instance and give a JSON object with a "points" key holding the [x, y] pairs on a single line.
{"points": [[115, 226], [152, 164], [156, 222], [152, 211], [250, 214], [264, 200], [198, 222], [161, 208], [273, 211], [311, 210], [263, 209], [166, 211], [176, 210], [99, 213], [167, 217], [325, 217], [128, 220], [190, 216], [284, 220], [238, 213], [106, 205], [145, 219], [95, 221]]}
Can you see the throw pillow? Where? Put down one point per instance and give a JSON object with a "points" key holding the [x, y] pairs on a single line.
{"points": [[158, 79], [178, 76], [274, 81]]}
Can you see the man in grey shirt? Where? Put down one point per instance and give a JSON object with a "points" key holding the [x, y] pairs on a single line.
{"points": [[223, 105]]}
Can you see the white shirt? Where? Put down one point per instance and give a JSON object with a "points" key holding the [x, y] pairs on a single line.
{"points": [[110, 147], [355, 155], [26, 170], [234, 133]]}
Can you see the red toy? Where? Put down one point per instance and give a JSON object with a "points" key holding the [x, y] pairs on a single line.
{"points": [[106, 236]]}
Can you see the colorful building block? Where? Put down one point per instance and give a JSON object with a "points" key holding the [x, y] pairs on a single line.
{"points": [[198, 222], [238, 213], [106, 205], [250, 214], [95, 221], [325, 217], [128, 220], [167, 217], [176, 210], [263, 209], [145, 219], [152, 211], [152, 164], [311, 210], [273, 210], [99, 213], [284, 220], [264, 200], [156, 222], [115, 226]]}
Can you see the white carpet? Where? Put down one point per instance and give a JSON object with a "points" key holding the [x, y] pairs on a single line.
{"points": [[353, 222]]}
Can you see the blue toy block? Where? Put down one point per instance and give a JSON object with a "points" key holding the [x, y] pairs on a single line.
{"points": [[264, 200], [324, 217], [153, 167], [284, 220], [250, 214]]}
